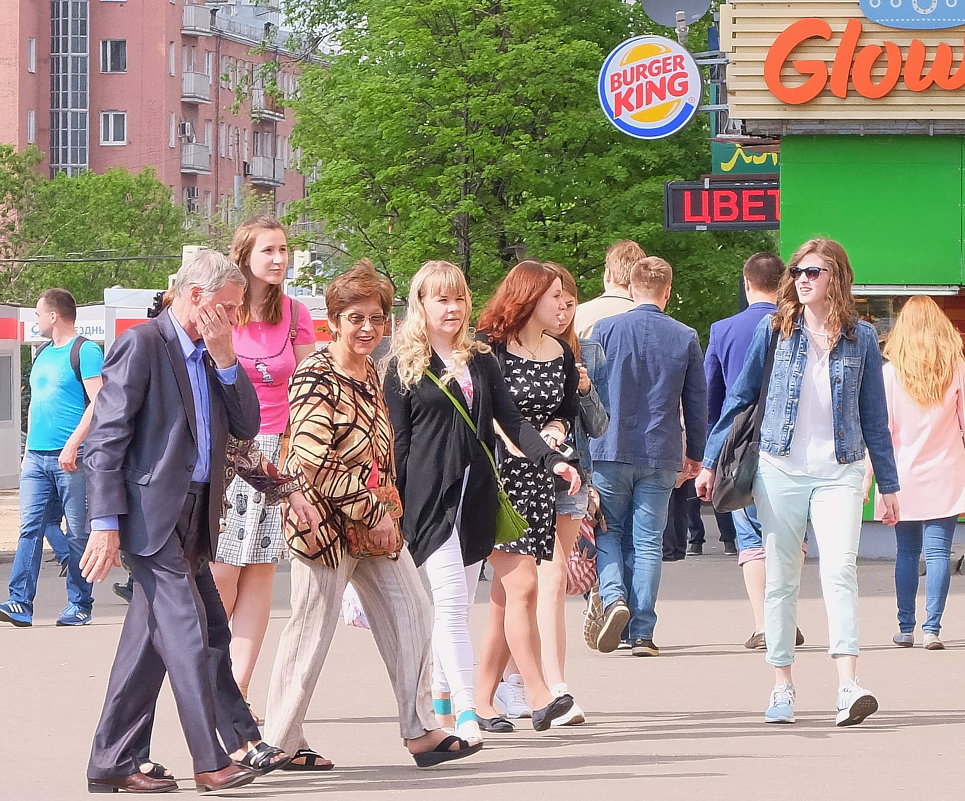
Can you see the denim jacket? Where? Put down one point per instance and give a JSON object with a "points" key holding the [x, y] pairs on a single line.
{"points": [[593, 419], [859, 409]]}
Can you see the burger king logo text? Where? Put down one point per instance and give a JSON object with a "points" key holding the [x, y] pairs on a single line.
{"points": [[649, 87]]}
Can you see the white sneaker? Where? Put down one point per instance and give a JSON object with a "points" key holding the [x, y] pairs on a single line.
{"points": [[511, 696], [572, 718], [932, 642], [855, 703]]}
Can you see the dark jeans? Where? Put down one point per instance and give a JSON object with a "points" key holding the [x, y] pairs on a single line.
{"points": [[678, 517], [725, 524]]}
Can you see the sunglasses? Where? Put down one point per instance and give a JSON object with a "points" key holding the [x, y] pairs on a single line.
{"points": [[810, 272]]}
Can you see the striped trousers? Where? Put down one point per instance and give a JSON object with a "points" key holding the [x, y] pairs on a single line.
{"points": [[399, 613]]}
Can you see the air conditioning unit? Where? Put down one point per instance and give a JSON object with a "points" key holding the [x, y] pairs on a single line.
{"points": [[186, 130], [246, 168]]}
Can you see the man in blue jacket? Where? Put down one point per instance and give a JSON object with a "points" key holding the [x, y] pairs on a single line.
{"points": [[655, 371], [726, 349]]}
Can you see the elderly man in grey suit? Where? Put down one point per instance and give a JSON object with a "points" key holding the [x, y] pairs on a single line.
{"points": [[155, 454]]}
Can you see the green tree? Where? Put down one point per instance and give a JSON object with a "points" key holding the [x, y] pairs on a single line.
{"points": [[107, 216], [471, 130]]}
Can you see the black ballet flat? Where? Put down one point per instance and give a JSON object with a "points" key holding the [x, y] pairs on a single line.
{"points": [[559, 706], [441, 752], [497, 725]]}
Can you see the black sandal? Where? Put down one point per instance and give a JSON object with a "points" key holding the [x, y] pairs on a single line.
{"points": [[497, 725], [262, 759], [158, 771], [441, 752], [313, 761]]}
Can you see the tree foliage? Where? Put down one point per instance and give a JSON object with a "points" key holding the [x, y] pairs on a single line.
{"points": [[470, 130], [108, 216]]}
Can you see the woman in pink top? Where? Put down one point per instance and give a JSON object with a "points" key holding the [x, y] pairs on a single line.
{"points": [[274, 334], [924, 381]]}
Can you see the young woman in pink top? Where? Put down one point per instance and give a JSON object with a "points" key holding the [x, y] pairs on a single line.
{"points": [[274, 334], [924, 382]]}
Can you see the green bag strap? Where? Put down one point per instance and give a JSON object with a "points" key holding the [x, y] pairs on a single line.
{"points": [[465, 415]]}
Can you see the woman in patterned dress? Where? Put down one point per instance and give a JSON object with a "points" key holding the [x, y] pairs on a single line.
{"points": [[444, 476], [274, 334], [540, 372], [342, 454]]}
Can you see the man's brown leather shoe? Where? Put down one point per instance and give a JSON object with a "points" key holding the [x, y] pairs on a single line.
{"points": [[135, 783], [231, 776]]}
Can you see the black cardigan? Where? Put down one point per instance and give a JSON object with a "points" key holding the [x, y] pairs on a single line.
{"points": [[433, 447]]}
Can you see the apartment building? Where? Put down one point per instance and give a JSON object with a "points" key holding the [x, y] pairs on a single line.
{"points": [[97, 84]]}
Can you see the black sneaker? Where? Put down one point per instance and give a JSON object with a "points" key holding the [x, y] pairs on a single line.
{"points": [[642, 647], [695, 549], [123, 591], [730, 549], [615, 617]]}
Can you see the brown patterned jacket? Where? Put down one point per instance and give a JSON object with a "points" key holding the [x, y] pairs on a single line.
{"points": [[339, 428]]}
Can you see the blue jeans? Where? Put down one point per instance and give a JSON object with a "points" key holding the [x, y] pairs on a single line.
{"points": [[634, 500], [748, 528], [43, 481], [52, 531], [936, 536]]}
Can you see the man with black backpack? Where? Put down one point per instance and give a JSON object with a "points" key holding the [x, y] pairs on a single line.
{"points": [[64, 380]]}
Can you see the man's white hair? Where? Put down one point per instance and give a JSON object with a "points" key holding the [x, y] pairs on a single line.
{"points": [[208, 270]]}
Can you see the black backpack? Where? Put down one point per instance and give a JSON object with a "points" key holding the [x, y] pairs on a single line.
{"points": [[74, 362]]}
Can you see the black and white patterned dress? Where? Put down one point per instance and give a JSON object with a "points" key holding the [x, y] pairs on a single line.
{"points": [[537, 390]]}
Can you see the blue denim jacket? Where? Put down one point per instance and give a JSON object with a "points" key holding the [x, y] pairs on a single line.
{"points": [[858, 401], [594, 417]]}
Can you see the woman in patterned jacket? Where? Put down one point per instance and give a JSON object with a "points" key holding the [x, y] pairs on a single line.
{"points": [[342, 453]]}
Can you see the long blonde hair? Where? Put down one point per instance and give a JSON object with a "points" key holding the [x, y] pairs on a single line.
{"points": [[242, 246], [843, 317], [410, 347], [925, 350]]}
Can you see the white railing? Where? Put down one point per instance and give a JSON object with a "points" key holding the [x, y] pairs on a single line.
{"points": [[195, 158], [196, 21], [266, 171], [195, 88]]}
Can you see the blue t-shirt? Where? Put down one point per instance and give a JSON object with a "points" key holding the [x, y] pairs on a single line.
{"points": [[56, 396]]}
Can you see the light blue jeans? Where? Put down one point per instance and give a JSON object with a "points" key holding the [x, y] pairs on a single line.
{"points": [[43, 481], [634, 500], [785, 503], [936, 536]]}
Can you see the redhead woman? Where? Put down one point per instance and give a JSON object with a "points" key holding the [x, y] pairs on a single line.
{"points": [[541, 374], [924, 383], [273, 335], [443, 469], [825, 405], [342, 453]]}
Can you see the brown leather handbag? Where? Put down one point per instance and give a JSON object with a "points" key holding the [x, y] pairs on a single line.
{"points": [[358, 540]]}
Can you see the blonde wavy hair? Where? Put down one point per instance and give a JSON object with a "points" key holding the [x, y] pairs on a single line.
{"points": [[843, 317], [925, 350], [410, 347]]}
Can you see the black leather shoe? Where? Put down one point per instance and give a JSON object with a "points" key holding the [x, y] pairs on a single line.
{"points": [[497, 725], [135, 783], [559, 706]]}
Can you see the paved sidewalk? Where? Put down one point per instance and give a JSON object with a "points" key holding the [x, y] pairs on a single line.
{"points": [[686, 725]]}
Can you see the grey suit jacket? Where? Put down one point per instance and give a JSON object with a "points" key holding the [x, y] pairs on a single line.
{"points": [[142, 445]]}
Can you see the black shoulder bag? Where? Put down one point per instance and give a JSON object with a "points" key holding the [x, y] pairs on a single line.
{"points": [[737, 464]]}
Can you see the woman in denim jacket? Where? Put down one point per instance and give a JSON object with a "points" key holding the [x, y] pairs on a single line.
{"points": [[826, 385]]}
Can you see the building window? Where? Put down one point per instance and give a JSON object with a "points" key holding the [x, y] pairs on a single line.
{"points": [[31, 127], [31, 54], [113, 55], [113, 128], [172, 66], [172, 130], [208, 63]]}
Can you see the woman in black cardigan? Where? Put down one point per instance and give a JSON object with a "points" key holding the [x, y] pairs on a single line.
{"points": [[443, 474]]}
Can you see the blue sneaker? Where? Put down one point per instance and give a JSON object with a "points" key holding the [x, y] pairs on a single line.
{"points": [[16, 613], [74, 616], [781, 709]]}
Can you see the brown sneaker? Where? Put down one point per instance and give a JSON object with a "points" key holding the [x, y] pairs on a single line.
{"points": [[755, 641], [615, 617], [593, 619]]}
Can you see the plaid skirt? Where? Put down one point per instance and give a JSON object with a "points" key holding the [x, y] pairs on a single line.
{"points": [[252, 533]]}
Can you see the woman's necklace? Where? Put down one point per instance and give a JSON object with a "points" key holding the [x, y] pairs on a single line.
{"points": [[532, 353]]}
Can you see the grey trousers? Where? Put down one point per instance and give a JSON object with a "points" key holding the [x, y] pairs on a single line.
{"points": [[400, 615]]}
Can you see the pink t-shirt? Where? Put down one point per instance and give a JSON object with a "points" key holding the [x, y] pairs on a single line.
{"points": [[265, 352], [929, 450]]}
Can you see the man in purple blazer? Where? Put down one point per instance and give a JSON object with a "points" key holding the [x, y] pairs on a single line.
{"points": [[726, 349], [156, 457]]}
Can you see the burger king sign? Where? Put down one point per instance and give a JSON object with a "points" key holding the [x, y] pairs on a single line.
{"points": [[649, 87]]}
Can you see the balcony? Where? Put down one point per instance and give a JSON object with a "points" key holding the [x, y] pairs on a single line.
{"points": [[195, 158], [265, 171], [265, 106], [195, 88], [196, 21]]}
